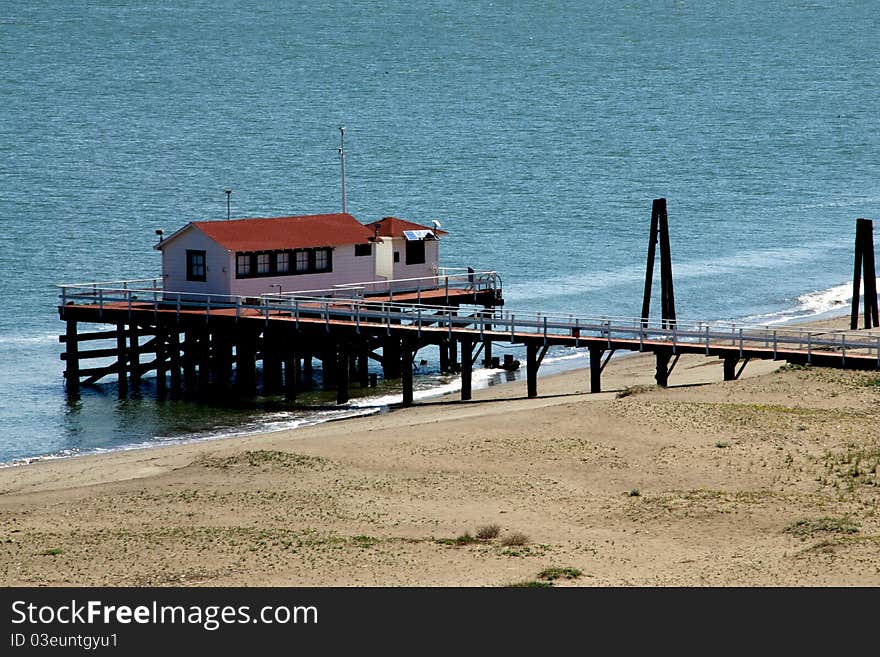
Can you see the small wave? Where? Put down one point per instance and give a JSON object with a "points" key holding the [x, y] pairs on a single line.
{"points": [[810, 304], [28, 339]]}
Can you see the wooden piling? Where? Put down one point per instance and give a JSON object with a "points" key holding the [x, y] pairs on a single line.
{"points": [[174, 362], [864, 268], [730, 363], [342, 374], [134, 355], [443, 346], [659, 233], [392, 358], [245, 363], [189, 358], [596, 369], [406, 371], [467, 350], [204, 358], [307, 370], [363, 367], [291, 374], [121, 360], [72, 353], [161, 380], [271, 356], [532, 369], [662, 374]]}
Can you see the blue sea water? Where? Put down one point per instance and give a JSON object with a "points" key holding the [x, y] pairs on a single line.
{"points": [[537, 132]]}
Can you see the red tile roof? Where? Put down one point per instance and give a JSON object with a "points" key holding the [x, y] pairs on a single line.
{"points": [[394, 227], [286, 232]]}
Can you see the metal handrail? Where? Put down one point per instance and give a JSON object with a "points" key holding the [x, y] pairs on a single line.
{"points": [[508, 321]]}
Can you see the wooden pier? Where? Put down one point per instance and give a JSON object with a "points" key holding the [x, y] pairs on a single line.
{"points": [[208, 347]]}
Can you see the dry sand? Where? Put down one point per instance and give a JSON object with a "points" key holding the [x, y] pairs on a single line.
{"points": [[769, 480]]}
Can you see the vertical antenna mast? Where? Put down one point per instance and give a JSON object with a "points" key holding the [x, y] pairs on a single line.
{"points": [[342, 161]]}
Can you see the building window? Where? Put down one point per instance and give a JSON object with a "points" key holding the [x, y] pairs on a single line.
{"points": [[242, 265], [196, 269], [302, 261], [322, 260], [363, 249], [282, 262], [397, 256], [263, 267], [415, 252]]}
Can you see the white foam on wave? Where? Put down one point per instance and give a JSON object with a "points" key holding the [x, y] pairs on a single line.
{"points": [[810, 304]]}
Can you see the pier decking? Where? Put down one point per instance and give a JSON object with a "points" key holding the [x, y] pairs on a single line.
{"points": [[197, 340]]}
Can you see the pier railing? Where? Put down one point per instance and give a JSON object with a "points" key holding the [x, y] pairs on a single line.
{"points": [[145, 294]]}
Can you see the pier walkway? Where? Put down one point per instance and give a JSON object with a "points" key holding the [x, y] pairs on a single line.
{"points": [[284, 331]]}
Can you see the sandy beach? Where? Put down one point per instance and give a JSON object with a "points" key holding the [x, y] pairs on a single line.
{"points": [[768, 480]]}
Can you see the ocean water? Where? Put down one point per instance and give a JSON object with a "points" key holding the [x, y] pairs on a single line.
{"points": [[537, 132]]}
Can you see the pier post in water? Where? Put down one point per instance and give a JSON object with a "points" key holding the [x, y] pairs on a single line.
{"points": [[174, 358], [659, 233], [161, 380], [72, 359], [864, 267], [121, 360]]}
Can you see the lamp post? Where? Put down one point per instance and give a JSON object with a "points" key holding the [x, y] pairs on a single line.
{"points": [[228, 203]]}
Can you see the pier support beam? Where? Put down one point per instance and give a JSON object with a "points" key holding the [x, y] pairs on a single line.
{"points": [[308, 372], [245, 364], [271, 355], [596, 369], [221, 367], [291, 374], [392, 358], [121, 360], [662, 375], [174, 353], [406, 370], [467, 351], [134, 355], [363, 367], [161, 380], [730, 363], [190, 345], [72, 370], [342, 374], [444, 356], [864, 268], [204, 356], [532, 369]]}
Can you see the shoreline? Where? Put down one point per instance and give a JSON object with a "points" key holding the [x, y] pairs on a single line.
{"points": [[705, 482], [832, 319]]}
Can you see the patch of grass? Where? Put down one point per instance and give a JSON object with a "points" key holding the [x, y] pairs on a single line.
{"points": [[856, 465], [531, 584], [464, 539], [721, 444], [515, 539], [811, 526], [634, 492], [51, 552], [559, 573], [633, 390], [363, 541], [488, 532]]}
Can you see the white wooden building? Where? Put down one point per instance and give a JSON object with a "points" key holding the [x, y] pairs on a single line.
{"points": [[405, 251], [250, 257]]}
